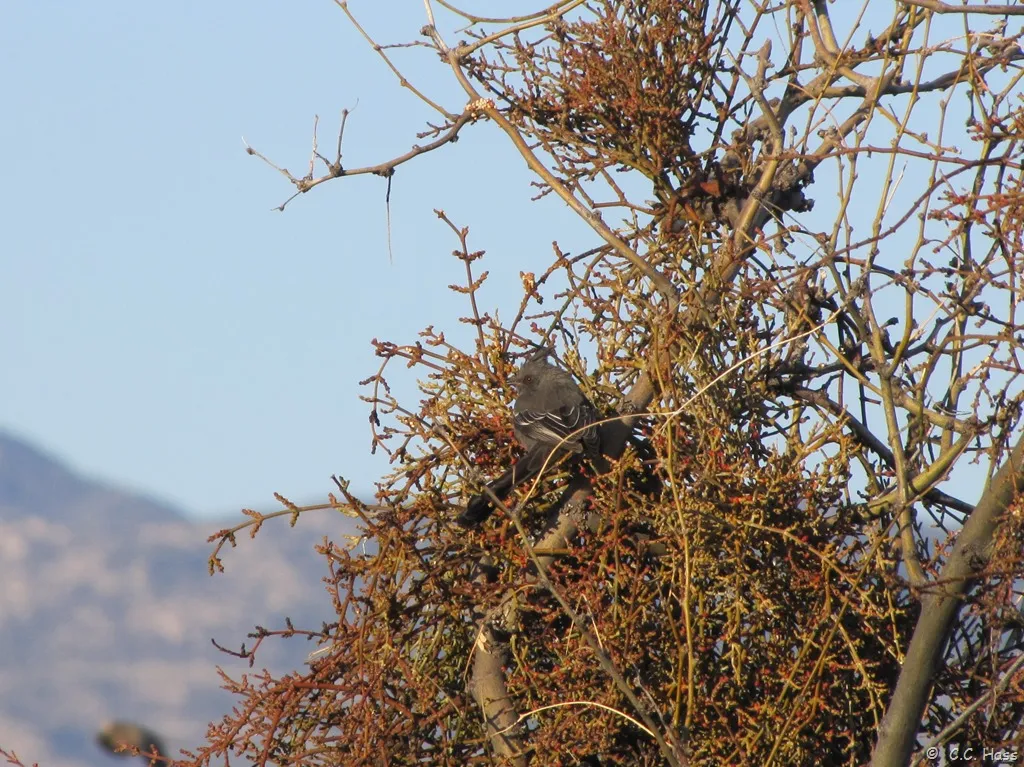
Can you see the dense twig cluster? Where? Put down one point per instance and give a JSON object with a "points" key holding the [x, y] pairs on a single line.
{"points": [[826, 569]]}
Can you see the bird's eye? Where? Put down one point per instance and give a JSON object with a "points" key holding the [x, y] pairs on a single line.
{"points": [[528, 379]]}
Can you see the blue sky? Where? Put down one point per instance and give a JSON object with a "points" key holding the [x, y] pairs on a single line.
{"points": [[163, 328]]}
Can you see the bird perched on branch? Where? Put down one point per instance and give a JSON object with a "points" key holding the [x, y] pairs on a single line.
{"points": [[551, 415]]}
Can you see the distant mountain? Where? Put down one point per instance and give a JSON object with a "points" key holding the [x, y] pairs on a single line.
{"points": [[34, 484], [107, 610]]}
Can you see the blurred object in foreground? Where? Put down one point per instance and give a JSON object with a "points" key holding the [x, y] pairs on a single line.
{"points": [[117, 735]]}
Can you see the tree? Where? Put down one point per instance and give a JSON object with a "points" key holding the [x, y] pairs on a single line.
{"points": [[805, 291]]}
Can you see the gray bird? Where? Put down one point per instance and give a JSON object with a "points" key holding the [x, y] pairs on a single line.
{"points": [[550, 414]]}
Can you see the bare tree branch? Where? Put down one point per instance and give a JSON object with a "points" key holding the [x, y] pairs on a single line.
{"points": [[939, 608]]}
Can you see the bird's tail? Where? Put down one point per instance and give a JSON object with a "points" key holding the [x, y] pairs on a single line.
{"points": [[480, 506]]}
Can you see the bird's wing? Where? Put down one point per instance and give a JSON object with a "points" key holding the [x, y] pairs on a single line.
{"points": [[550, 427]]}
